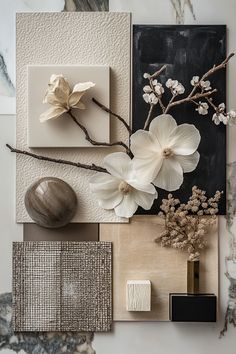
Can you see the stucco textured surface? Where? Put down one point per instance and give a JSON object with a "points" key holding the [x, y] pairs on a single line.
{"points": [[62, 39]]}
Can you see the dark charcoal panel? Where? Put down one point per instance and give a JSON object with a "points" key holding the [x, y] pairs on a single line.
{"points": [[187, 51], [192, 308]]}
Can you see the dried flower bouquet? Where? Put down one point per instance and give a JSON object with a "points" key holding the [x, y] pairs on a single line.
{"points": [[158, 155], [187, 224]]}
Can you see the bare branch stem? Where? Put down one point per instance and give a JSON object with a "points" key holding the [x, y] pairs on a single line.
{"points": [[147, 122], [91, 167], [104, 108], [94, 142]]}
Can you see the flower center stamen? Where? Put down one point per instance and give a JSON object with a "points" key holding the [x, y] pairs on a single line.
{"points": [[124, 188], [166, 153]]}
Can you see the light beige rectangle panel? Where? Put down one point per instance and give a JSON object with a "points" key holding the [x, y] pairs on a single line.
{"points": [[85, 38], [136, 256]]}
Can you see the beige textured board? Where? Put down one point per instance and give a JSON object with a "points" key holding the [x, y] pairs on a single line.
{"points": [[76, 38], [62, 132], [136, 256]]}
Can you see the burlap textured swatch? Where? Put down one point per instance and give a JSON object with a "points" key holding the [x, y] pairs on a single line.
{"points": [[62, 286]]}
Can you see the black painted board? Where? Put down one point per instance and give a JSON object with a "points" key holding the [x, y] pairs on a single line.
{"points": [[187, 50]]}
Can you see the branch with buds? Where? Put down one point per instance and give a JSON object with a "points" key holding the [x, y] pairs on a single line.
{"points": [[200, 95]]}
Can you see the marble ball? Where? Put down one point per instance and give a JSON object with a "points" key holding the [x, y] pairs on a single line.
{"points": [[51, 202]]}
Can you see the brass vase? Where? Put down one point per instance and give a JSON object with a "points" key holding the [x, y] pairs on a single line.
{"points": [[193, 277]]}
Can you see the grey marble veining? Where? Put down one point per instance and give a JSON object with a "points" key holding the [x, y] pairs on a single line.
{"points": [[86, 5], [6, 86], [39, 343]]}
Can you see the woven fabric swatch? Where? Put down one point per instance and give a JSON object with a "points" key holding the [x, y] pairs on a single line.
{"points": [[62, 286]]}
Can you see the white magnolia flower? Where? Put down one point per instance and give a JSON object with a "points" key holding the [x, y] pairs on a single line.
{"points": [[195, 80], [62, 99], [165, 152], [203, 108], [206, 85], [121, 190]]}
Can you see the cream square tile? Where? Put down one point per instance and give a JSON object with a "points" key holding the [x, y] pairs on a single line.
{"points": [[62, 132]]}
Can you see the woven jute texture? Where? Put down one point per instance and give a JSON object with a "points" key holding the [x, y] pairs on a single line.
{"points": [[62, 286]]}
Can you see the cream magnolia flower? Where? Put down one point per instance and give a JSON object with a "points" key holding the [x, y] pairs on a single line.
{"points": [[120, 189], [165, 152], [62, 99]]}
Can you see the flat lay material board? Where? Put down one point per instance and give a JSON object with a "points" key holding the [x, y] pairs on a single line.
{"points": [[62, 286], [136, 256]]}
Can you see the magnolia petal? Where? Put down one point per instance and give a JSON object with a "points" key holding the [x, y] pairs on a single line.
{"points": [[60, 81], [105, 188], [143, 144], [79, 105], [145, 200], [189, 162], [127, 207], [170, 176], [147, 169], [185, 139], [83, 86], [147, 187], [75, 98], [56, 97], [52, 113], [161, 127], [118, 164]]}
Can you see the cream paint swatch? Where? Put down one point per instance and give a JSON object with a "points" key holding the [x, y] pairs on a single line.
{"points": [[137, 257], [89, 39]]}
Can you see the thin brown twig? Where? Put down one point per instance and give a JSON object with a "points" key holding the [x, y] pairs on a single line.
{"points": [[94, 142], [158, 72], [147, 122], [104, 108], [91, 167], [191, 98]]}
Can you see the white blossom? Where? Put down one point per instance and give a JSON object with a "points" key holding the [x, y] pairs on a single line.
{"points": [[62, 98], [146, 76], [203, 108], [121, 189], [231, 117], [147, 89], [150, 98], [176, 87], [205, 85], [159, 89], [219, 117], [165, 152], [195, 80]]}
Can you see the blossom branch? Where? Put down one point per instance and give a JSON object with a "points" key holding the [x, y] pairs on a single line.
{"points": [[104, 108], [190, 98], [94, 142], [91, 167]]}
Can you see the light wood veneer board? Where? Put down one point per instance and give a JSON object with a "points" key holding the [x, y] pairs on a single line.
{"points": [[71, 232], [137, 256]]}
